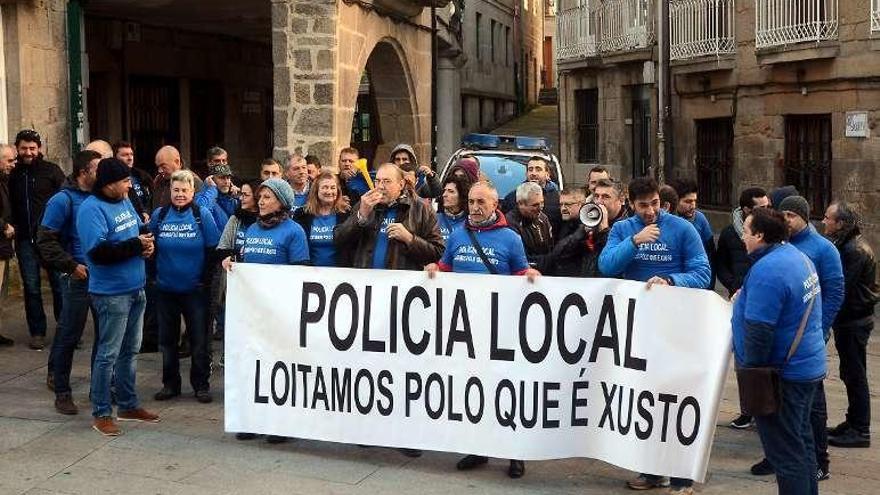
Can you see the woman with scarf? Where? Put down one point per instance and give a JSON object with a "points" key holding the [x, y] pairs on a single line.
{"points": [[325, 208]]}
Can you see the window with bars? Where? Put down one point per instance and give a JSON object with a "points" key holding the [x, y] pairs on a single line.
{"points": [[807, 163], [714, 161], [587, 114]]}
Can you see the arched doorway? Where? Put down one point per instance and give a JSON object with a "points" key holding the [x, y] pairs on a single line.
{"points": [[384, 108]]}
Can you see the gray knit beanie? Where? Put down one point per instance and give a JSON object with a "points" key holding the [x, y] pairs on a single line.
{"points": [[797, 205], [282, 190]]}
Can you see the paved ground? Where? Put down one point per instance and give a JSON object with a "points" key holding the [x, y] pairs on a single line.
{"points": [[42, 452], [542, 121]]}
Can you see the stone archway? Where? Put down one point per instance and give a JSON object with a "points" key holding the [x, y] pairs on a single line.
{"points": [[320, 51]]}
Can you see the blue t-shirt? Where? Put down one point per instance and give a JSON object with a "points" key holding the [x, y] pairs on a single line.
{"points": [[776, 292], [321, 240], [678, 253], [60, 216], [180, 247], [448, 223], [99, 221], [502, 246], [381, 252], [283, 244]]}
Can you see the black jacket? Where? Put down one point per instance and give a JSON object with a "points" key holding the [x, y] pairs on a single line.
{"points": [[30, 187], [537, 237], [731, 260], [576, 252], [861, 290], [6, 249], [142, 200], [551, 204], [343, 256]]}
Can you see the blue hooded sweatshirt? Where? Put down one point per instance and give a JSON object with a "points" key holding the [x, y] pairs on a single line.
{"points": [[768, 311], [181, 245], [677, 254], [826, 258]]}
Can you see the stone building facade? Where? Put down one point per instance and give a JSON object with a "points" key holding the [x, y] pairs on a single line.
{"points": [[760, 95], [258, 77]]}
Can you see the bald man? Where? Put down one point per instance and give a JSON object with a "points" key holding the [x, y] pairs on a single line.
{"points": [[102, 147], [168, 161]]}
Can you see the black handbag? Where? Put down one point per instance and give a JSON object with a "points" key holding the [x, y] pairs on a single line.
{"points": [[760, 388]]}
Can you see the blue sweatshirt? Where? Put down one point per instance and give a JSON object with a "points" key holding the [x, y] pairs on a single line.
{"points": [[826, 258], [99, 221], [448, 223], [768, 311], [228, 204], [502, 246], [677, 254], [209, 197], [283, 244], [321, 247], [60, 216], [380, 253], [704, 228], [181, 244]]}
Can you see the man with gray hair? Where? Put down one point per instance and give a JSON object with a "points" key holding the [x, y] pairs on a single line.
{"points": [[854, 322], [531, 223], [297, 175]]}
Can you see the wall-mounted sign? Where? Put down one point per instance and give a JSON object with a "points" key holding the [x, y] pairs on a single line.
{"points": [[857, 124]]}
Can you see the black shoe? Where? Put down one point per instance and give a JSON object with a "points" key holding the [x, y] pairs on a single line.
{"points": [[245, 436], [64, 404], [6, 341], [471, 461], [822, 474], [763, 468], [275, 439], [204, 396], [517, 469], [37, 342], [166, 393], [410, 452], [850, 439], [839, 429], [742, 422]]}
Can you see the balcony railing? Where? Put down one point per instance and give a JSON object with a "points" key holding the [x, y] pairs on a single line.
{"points": [[875, 16], [596, 26], [625, 24], [782, 22], [576, 29], [699, 28]]}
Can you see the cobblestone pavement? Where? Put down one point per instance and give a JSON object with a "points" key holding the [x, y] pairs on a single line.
{"points": [[42, 452]]}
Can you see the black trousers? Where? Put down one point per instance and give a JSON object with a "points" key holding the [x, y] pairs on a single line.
{"points": [[851, 340]]}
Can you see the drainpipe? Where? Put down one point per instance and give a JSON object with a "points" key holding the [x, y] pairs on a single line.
{"points": [[664, 135], [433, 85], [74, 68]]}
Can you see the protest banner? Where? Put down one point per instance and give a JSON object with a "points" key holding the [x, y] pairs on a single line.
{"points": [[478, 364]]}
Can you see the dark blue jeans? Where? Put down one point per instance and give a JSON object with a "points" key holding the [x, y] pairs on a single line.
{"points": [[787, 437], [120, 321], [819, 425], [29, 267], [193, 306], [75, 310]]}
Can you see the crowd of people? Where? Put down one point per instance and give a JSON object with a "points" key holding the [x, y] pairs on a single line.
{"points": [[143, 253]]}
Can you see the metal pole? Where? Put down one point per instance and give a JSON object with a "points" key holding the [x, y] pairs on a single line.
{"points": [[664, 155], [74, 80], [433, 86]]}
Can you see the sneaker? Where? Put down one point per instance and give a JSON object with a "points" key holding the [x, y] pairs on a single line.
{"points": [[106, 426], [50, 381], [37, 343], [517, 469], [471, 461], [245, 436], [742, 422], [850, 439], [838, 430], [822, 474], [645, 482], [166, 393], [139, 414], [411, 452], [680, 490], [6, 341], [763, 468], [203, 396], [273, 439], [64, 404]]}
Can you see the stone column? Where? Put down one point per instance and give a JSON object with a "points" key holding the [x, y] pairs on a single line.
{"points": [[448, 108], [304, 51]]}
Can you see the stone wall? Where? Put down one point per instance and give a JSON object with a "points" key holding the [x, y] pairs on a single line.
{"points": [[36, 74]]}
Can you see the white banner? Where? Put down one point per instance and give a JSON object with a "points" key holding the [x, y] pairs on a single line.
{"points": [[478, 364]]}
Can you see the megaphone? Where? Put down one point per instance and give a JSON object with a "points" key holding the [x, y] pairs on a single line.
{"points": [[591, 215]]}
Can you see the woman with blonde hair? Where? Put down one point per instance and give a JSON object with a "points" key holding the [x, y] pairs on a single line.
{"points": [[325, 208]]}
